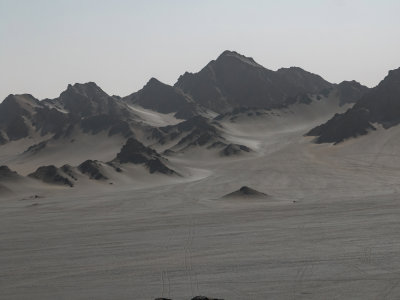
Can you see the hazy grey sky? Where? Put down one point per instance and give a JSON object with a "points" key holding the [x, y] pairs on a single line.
{"points": [[46, 44]]}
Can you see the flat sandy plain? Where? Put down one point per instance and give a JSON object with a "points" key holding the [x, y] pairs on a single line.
{"points": [[329, 230]]}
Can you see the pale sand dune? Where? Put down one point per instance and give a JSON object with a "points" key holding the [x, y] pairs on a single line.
{"points": [[149, 237]]}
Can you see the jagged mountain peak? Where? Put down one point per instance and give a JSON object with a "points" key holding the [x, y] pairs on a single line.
{"points": [[296, 70], [88, 89], [393, 77], [153, 81], [20, 101], [229, 56], [163, 98], [234, 80], [308, 81]]}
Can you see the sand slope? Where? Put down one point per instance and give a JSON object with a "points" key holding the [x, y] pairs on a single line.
{"points": [[161, 236]]}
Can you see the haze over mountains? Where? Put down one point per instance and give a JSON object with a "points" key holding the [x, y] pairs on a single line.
{"points": [[237, 182], [84, 128]]}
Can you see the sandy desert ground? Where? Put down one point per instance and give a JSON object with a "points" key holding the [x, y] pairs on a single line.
{"points": [[329, 230]]}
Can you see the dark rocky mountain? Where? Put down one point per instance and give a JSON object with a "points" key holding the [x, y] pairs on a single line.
{"points": [[6, 173], [350, 91], [196, 131], [14, 110], [379, 105], [234, 80], [88, 99], [94, 110], [93, 169], [137, 153], [165, 99], [246, 192], [53, 175], [82, 106]]}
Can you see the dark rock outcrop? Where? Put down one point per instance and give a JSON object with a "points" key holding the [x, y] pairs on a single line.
{"points": [[93, 169], [350, 91], [197, 131], [135, 152], [234, 149], [82, 106], [6, 173], [70, 171], [165, 99], [350, 124], [51, 174], [88, 99], [379, 105], [36, 147]]}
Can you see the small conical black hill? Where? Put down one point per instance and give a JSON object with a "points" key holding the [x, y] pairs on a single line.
{"points": [[246, 192]]}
